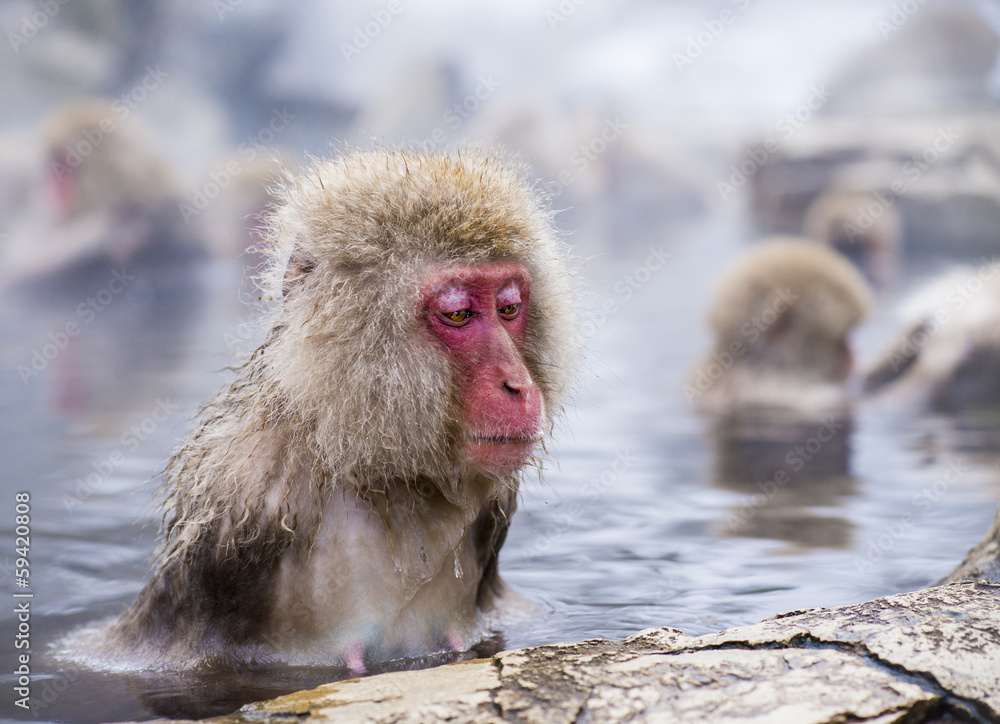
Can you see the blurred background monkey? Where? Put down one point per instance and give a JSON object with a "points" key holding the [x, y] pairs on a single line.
{"points": [[841, 219], [109, 200], [781, 316], [946, 354]]}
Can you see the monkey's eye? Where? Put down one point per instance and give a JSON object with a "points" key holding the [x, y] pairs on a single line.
{"points": [[509, 311], [458, 317]]}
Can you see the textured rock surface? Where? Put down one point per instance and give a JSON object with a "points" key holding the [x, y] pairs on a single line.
{"points": [[983, 562], [913, 657]]}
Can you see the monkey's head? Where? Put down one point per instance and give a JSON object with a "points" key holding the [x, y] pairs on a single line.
{"points": [[101, 158], [789, 305], [833, 219], [426, 327]]}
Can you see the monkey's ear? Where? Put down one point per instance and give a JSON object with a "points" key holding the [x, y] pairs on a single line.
{"points": [[300, 263]]}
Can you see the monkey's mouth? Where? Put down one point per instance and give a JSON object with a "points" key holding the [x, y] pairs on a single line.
{"points": [[504, 439], [501, 453]]}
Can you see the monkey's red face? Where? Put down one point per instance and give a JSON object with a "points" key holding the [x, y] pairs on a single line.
{"points": [[479, 313], [62, 185]]}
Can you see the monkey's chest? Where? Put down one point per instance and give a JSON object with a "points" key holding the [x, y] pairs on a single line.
{"points": [[405, 591]]}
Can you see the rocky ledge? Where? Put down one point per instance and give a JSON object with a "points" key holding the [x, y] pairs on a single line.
{"points": [[926, 656]]}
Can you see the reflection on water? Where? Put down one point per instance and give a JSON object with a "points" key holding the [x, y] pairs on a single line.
{"points": [[213, 693], [785, 470], [649, 515]]}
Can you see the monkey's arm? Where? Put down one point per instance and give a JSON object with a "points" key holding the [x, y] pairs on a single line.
{"points": [[489, 533], [213, 592]]}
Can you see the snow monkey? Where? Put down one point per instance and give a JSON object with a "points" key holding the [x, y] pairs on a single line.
{"points": [[344, 498], [835, 219], [781, 316], [946, 355], [110, 202]]}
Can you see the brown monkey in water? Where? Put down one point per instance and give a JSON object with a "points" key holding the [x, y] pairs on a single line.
{"points": [[781, 316], [345, 497], [109, 201], [946, 355], [841, 219]]}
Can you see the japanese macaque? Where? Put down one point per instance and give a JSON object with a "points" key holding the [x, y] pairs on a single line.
{"points": [[110, 201], [344, 499], [947, 356], [781, 316], [844, 221]]}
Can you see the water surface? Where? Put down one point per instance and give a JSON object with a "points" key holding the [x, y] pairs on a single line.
{"points": [[647, 515]]}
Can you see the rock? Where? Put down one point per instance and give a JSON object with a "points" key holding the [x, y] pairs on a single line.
{"points": [[982, 563], [912, 657], [938, 173]]}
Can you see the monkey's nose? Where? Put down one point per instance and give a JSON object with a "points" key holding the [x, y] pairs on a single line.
{"points": [[515, 380]]}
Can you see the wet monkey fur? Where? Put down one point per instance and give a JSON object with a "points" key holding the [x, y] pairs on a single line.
{"points": [[344, 498]]}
